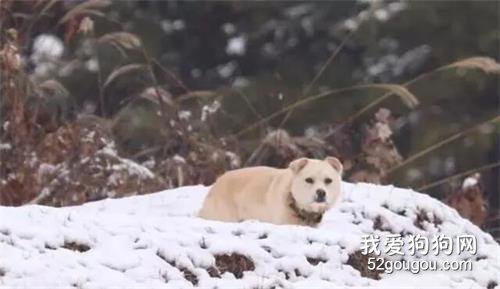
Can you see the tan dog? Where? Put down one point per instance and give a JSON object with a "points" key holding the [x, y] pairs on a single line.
{"points": [[299, 194]]}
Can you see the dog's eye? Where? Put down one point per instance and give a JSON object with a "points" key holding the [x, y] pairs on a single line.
{"points": [[309, 180], [328, 180]]}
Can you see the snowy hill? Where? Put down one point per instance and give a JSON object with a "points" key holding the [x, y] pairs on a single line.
{"points": [[154, 241]]}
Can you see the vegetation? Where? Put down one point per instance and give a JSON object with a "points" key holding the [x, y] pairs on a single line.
{"points": [[102, 99]]}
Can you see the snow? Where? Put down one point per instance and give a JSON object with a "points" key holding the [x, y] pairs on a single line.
{"points": [[393, 65], [171, 26], [92, 64], [236, 45], [47, 51], [469, 182], [298, 10], [383, 13], [5, 146], [126, 165], [229, 28], [142, 241], [184, 114], [210, 109], [227, 70], [47, 46]]}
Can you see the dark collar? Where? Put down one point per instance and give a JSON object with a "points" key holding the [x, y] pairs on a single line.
{"points": [[309, 218]]}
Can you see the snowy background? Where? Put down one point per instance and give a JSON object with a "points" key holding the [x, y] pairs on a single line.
{"points": [[156, 241]]}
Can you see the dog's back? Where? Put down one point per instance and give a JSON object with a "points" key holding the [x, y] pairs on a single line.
{"points": [[235, 194]]}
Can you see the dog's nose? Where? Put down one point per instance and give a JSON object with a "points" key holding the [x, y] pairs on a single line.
{"points": [[320, 195]]}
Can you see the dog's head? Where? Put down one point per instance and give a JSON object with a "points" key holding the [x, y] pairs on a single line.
{"points": [[316, 183]]}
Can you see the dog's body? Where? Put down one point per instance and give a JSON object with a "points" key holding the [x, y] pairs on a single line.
{"points": [[299, 194]]}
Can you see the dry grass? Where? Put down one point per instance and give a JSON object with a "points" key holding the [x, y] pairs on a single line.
{"points": [[234, 263], [43, 160], [359, 261], [117, 72], [91, 7], [406, 96], [485, 64], [458, 176], [443, 142], [470, 203], [122, 41]]}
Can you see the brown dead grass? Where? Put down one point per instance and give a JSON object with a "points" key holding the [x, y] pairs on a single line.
{"points": [[316, 260], [492, 285], [359, 261], [423, 218], [188, 274], [470, 203], [78, 247], [234, 263]]}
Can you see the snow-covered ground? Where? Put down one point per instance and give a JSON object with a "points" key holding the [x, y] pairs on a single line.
{"points": [[155, 241]]}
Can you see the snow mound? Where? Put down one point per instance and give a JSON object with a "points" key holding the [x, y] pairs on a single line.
{"points": [[155, 241]]}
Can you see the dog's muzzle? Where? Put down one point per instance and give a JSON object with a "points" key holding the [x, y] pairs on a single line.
{"points": [[320, 196]]}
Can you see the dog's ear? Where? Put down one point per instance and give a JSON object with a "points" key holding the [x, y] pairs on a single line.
{"points": [[335, 163], [298, 164]]}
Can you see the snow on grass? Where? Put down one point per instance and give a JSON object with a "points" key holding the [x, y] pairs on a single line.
{"points": [[156, 241]]}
